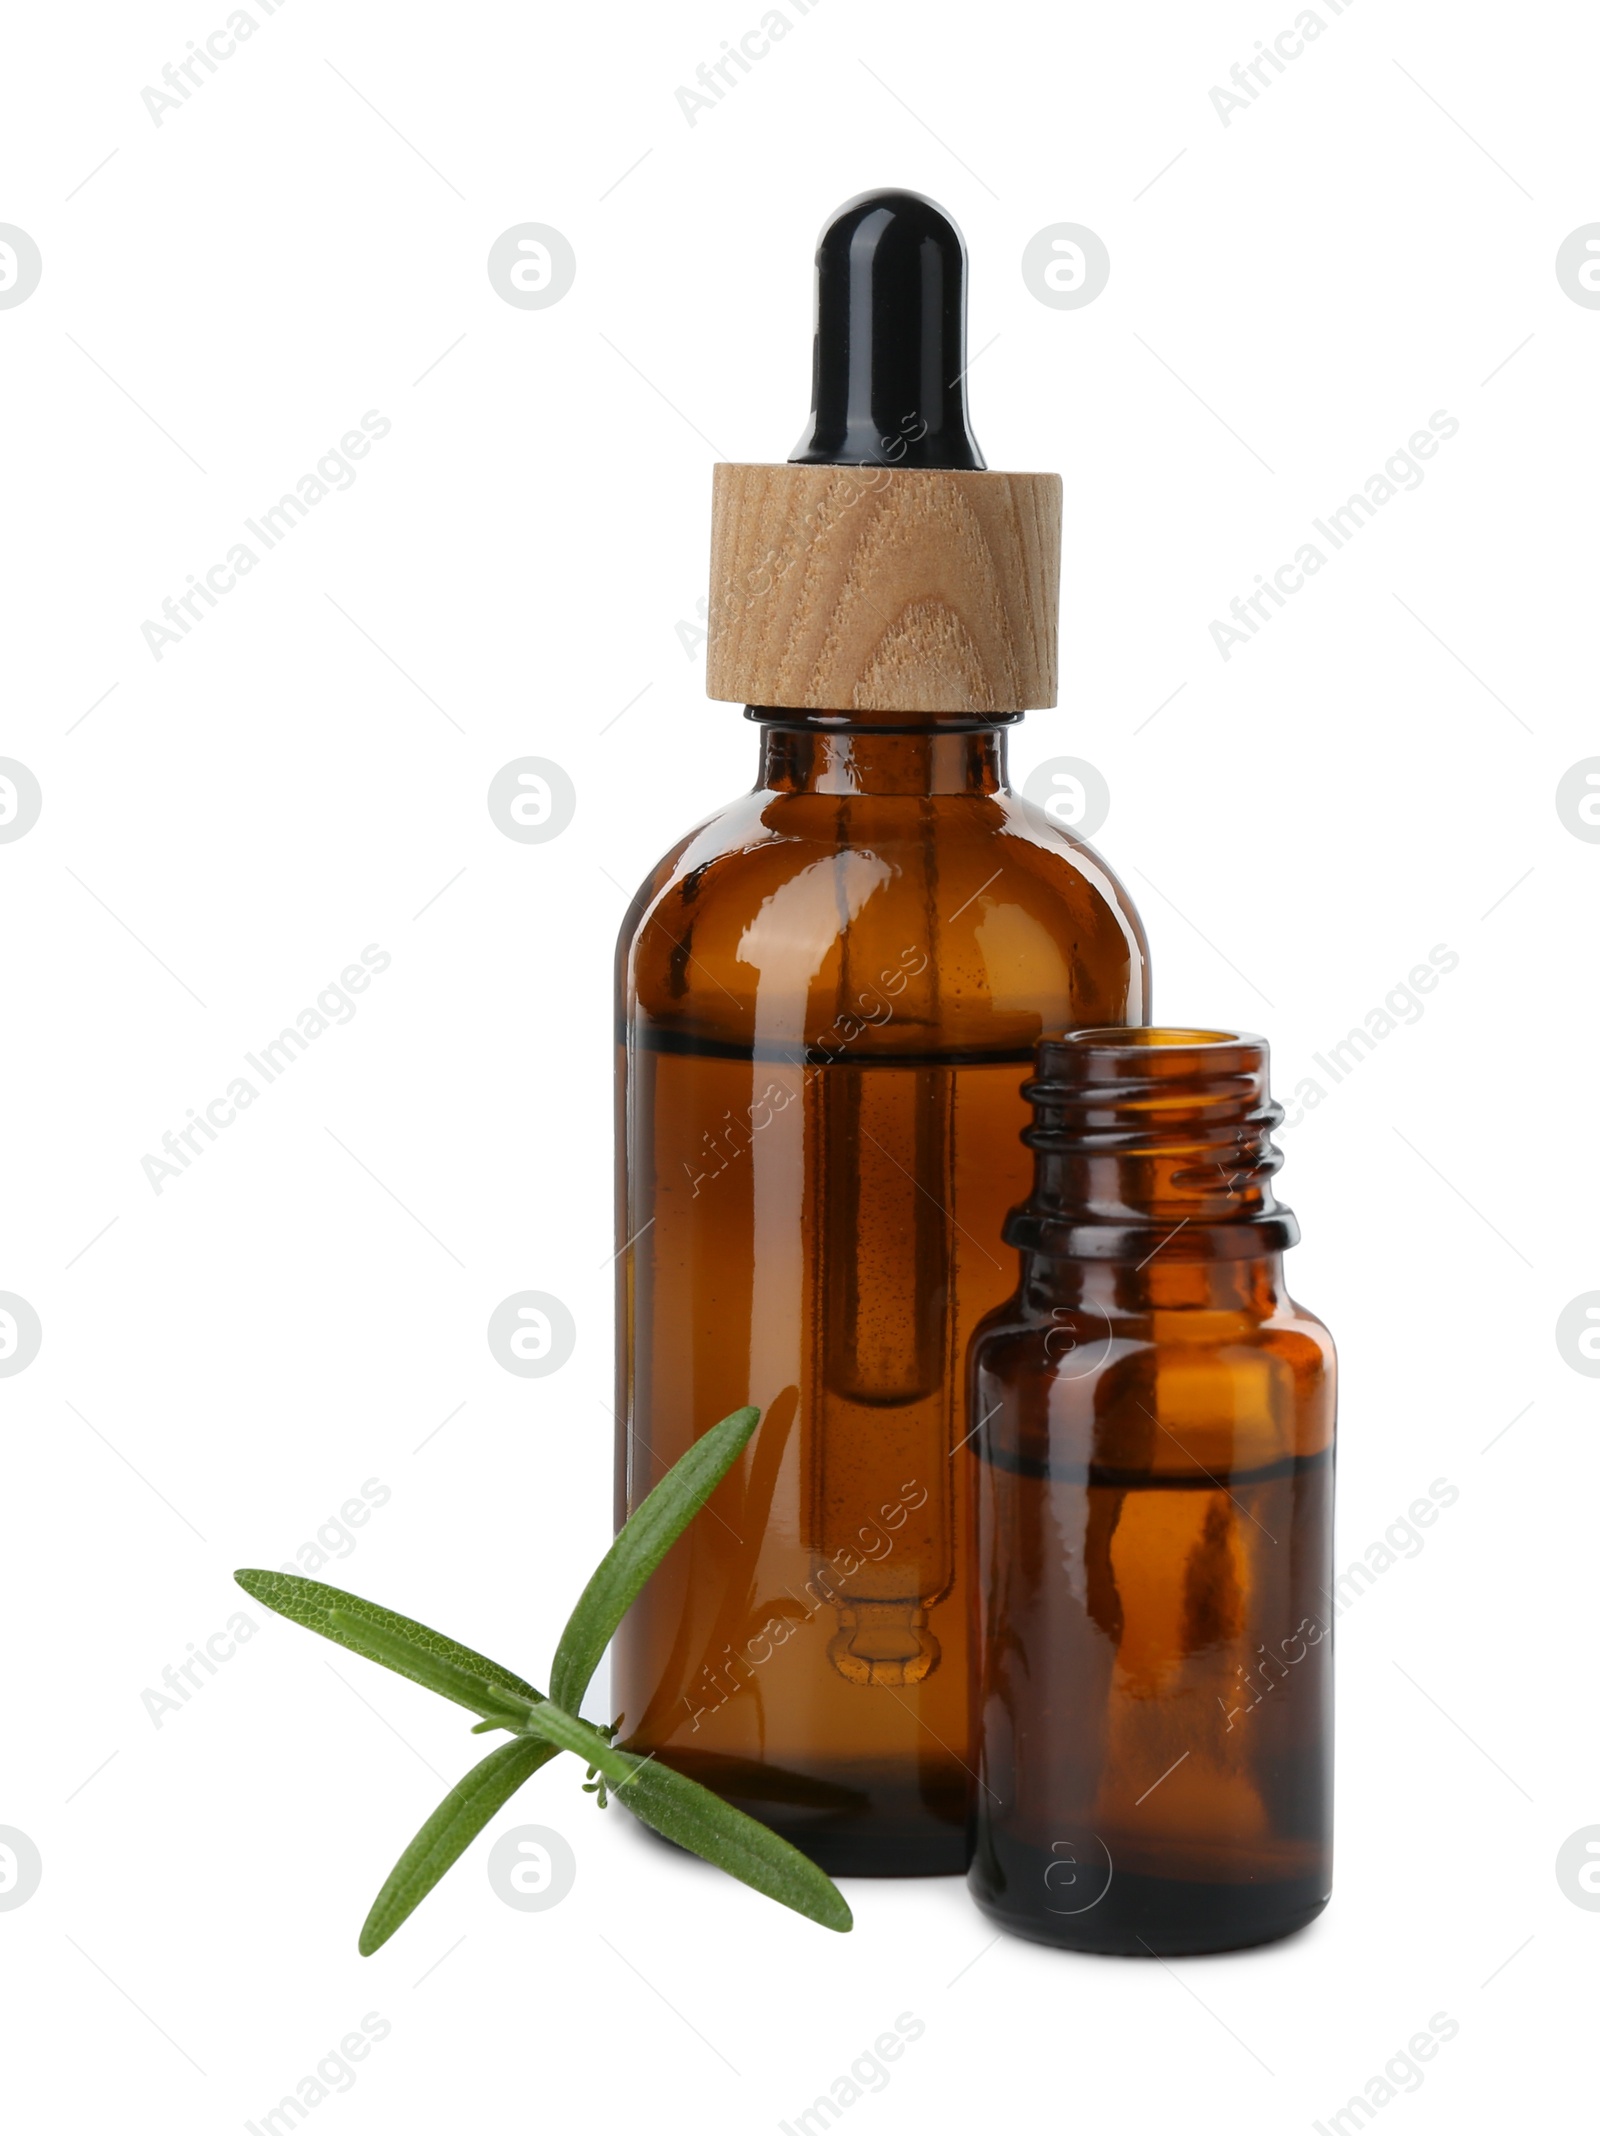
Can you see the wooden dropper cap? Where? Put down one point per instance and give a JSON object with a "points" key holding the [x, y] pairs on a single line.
{"points": [[883, 568]]}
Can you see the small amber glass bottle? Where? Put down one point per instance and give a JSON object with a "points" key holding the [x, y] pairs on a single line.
{"points": [[1152, 1654]]}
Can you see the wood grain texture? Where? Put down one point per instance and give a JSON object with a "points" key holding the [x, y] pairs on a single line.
{"points": [[883, 589]]}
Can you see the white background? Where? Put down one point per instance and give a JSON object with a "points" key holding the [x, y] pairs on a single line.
{"points": [[305, 239]]}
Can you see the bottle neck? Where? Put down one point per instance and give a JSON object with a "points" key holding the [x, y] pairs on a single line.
{"points": [[827, 753], [1252, 1285], [1153, 1169]]}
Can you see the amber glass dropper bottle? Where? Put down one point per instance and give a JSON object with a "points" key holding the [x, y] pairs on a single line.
{"points": [[828, 997]]}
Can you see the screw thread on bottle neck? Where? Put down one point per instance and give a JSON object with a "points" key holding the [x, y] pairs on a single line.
{"points": [[1152, 1140]]}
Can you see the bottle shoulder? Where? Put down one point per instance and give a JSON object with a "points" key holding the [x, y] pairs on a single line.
{"points": [[800, 900], [1022, 1337], [1230, 1388]]}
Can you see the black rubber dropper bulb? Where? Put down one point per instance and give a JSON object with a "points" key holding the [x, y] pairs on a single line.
{"points": [[888, 384]]}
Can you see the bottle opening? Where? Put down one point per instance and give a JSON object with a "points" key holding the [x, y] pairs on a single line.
{"points": [[1114, 1035]]}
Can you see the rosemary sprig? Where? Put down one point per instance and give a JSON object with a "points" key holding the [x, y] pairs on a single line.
{"points": [[542, 1728]]}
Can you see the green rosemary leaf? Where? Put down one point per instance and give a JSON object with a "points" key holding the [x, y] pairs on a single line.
{"points": [[681, 1810], [643, 1542], [350, 1621], [448, 1832], [468, 1687]]}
